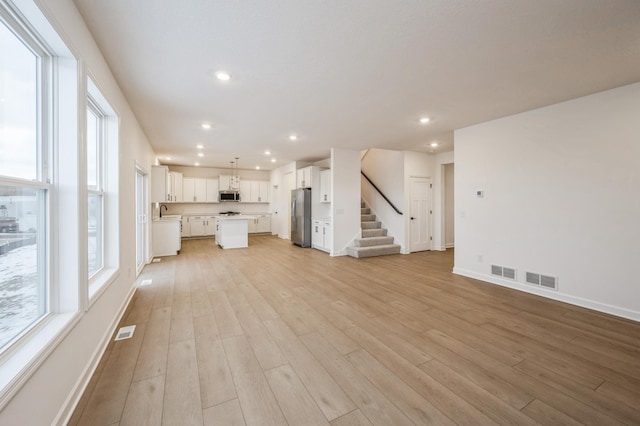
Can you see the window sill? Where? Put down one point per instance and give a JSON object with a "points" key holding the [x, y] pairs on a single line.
{"points": [[22, 361], [100, 283]]}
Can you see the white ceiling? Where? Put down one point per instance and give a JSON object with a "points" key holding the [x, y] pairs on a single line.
{"points": [[353, 74]]}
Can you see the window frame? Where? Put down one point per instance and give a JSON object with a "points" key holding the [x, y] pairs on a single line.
{"points": [[99, 191], [43, 176]]}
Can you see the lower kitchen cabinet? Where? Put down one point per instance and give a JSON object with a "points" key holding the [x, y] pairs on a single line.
{"points": [[260, 224], [185, 228], [165, 235], [322, 235], [202, 226]]}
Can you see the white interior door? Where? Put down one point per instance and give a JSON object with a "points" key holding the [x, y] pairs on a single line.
{"points": [[141, 220], [420, 214]]}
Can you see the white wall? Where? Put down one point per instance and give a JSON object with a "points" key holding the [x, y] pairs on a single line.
{"points": [[345, 169], [561, 198], [50, 392]]}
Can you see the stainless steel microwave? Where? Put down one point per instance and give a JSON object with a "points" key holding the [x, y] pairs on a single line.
{"points": [[229, 196]]}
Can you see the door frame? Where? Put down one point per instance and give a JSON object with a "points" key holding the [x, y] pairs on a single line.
{"points": [[141, 218]]}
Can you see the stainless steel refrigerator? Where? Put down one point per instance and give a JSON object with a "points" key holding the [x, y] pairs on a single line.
{"points": [[301, 217]]}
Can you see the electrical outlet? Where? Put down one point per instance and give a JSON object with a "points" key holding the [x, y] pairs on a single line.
{"points": [[480, 258]]}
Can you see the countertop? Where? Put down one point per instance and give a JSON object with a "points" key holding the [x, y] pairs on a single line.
{"points": [[235, 217]]}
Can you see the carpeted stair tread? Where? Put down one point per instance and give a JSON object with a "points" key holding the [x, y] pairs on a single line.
{"points": [[372, 241], [381, 250], [380, 232], [370, 225]]}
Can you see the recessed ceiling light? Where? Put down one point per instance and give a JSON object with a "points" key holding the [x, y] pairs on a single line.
{"points": [[197, 164], [257, 167], [223, 76], [200, 154], [434, 144], [267, 152], [199, 146], [425, 120], [168, 158], [206, 126], [293, 137], [273, 160]]}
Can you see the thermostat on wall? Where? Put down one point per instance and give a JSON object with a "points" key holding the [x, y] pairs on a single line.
{"points": [[480, 193]]}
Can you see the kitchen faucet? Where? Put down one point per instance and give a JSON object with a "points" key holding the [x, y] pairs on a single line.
{"points": [[165, 207]]}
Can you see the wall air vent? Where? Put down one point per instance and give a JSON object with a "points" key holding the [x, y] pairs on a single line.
{"points": [[509, 273], [503, 271], [125, 333], [533, 278], [542, 280]]}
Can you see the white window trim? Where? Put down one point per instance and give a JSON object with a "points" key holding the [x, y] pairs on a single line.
{"points": [[109, 178], [59, 74]]}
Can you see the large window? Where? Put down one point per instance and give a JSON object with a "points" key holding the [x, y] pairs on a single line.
{"points": [[24, 186], [102, 189]]}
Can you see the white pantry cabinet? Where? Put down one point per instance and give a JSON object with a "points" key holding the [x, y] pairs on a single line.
{"points": [[159, 181], [325, 186]]}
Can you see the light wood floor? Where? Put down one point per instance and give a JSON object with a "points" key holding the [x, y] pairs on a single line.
{"points": [[276, 334]]}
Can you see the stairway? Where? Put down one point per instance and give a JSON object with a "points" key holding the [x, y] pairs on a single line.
{"points": [[374, 241]]}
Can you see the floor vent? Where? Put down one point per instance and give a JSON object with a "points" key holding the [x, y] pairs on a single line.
{"points": [[156, 260], [145, 282], [503, 271], [542, 280], [125, 332]]}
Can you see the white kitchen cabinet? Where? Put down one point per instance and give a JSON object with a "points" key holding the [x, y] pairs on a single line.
{"points": [[263, 224], [202, 226], [308, 177], [159, 181], [174, 187], [165, 235], [254, 191], [185, 228], [325, 186], [212, 190], [260, 224], [197, 226], [199, 190], [229, 183], [322, 235], [245, 191], [210, 225]]}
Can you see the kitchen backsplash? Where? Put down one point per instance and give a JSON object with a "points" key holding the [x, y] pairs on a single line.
{"points": [[214, 208]]}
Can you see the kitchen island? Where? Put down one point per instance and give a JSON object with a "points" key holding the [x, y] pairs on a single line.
{"points": [[232, 231]]}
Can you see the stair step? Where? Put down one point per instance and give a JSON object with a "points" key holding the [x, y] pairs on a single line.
{"points": [[370, 225], [380, 232], [365, 210], [367, 217], [372, 241], [360, 252], [362, 205]]}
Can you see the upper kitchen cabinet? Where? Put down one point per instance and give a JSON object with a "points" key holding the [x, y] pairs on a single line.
{"points": [[325, 186], [175, 187], [200, 190], [308, 177], [159, 184], [254, 191], [229, 182]]}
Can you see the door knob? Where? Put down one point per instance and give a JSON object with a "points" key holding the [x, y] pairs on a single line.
{"points": [[412, 218]]}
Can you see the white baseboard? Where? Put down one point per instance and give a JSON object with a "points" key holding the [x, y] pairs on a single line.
{"points": [[65, 413], [450, 245], [550, 294]]}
